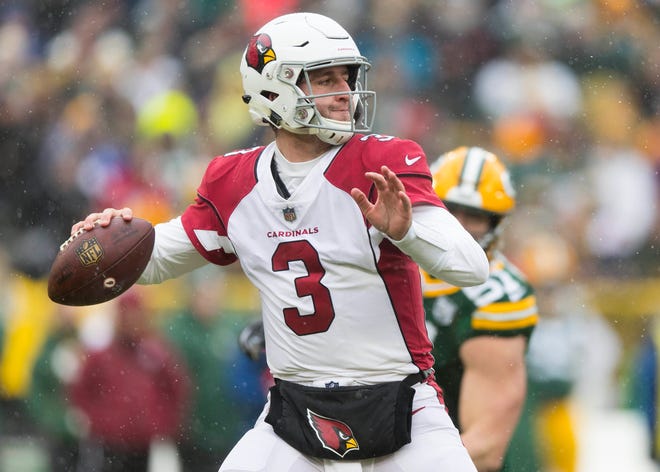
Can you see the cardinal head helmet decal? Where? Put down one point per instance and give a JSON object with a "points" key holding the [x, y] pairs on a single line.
{"points": [[259, 52], [334, 435]]}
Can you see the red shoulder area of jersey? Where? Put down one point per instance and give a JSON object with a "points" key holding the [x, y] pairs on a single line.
{"points": [[228, 178], [368, 153], [240, 162]]}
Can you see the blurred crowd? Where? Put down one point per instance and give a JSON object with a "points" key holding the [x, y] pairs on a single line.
{"points": [[124, 103]]}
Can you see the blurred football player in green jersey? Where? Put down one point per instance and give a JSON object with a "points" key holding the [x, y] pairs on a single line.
{"points": [[481, 333]]}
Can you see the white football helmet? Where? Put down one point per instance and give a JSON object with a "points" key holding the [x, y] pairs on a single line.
{"points": [[280, 55]]}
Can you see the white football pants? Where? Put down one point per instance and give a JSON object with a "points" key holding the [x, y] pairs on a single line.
{"points": [[435, 447]]}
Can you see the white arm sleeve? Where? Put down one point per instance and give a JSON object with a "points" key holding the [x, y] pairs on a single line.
{"points": [[443, 248], [173, 254]]}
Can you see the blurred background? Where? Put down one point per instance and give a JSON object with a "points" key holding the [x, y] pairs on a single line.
{"points": [[124, 103]]}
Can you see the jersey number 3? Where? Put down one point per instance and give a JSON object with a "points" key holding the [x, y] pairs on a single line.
{"points": [[306, 286]]}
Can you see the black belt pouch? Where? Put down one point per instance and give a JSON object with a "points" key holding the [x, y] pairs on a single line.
{"points": [[350, 423]]}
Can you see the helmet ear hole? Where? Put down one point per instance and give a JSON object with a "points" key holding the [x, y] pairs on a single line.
{"points": [[271, 96]]}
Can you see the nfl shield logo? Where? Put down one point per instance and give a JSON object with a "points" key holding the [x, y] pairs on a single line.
{"points": [[289, 214], [89, 252]]}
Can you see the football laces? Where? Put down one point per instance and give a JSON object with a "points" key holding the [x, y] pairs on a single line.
{"points": [[74, 236]]}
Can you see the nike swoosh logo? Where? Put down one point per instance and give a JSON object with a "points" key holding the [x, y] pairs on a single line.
{"points": [[417, 410], [411, 161]]}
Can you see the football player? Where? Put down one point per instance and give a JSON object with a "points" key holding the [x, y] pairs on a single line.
{"points": [[480, 333], [328, 222]]}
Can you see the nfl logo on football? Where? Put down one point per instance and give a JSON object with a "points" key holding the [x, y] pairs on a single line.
{"points": [[89, 252], [289, 214]]}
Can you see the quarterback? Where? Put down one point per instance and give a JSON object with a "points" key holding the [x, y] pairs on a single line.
{"points": [[329, 222]]}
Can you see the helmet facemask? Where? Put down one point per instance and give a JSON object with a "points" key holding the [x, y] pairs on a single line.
{"points": [[361, 103]]}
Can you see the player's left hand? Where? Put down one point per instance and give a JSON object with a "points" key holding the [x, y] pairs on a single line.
{"points": [[392, 212]]}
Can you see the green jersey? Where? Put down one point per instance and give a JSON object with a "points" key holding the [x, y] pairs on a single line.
{"points": [[504, 305]]}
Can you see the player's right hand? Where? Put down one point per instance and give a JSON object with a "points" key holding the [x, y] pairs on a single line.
{"points": [[102, 219]]}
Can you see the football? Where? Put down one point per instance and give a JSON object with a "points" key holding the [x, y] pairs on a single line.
{"points": [[98, 265]]}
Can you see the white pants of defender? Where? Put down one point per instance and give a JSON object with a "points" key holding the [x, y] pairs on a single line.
{"points": [[435, 447]]}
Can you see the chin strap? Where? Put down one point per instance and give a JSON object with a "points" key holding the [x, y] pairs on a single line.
{"points": [[341, 132], [334, 136]]}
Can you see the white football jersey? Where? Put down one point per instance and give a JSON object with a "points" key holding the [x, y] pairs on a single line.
{"points": [[339, 300]]}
